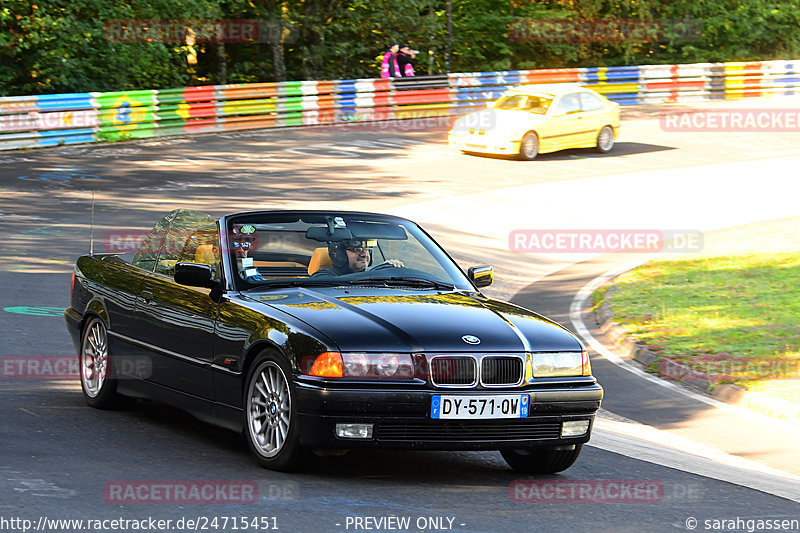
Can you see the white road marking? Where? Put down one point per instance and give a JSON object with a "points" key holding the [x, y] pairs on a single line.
{"points": [[40, 487], [649, 444]]}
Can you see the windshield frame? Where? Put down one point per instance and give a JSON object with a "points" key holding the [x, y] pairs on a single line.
{"points": [[459, 279]]}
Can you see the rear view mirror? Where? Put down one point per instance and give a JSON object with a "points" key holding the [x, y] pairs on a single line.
{"points": [[323, 234]]}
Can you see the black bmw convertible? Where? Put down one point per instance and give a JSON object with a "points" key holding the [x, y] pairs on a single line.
{"points": [[316, 331]]}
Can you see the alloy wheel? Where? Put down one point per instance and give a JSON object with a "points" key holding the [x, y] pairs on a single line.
{"points": [[269, 409]]}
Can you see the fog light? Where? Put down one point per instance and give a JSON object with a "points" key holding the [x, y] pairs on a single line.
{"points": [[354, 431], [574, 428]]}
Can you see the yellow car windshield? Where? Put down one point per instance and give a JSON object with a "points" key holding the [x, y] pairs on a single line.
{"points": [[520, 102]]}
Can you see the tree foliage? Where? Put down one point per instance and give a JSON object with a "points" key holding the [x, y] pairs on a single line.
{"points": [[50, 46]]}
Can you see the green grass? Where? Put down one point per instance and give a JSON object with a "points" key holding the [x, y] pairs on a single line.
{"points": [[732, 311], [599, 296]]}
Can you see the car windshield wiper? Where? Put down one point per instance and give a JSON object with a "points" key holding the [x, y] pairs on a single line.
{"points": [[400, 281], [297, 283]]}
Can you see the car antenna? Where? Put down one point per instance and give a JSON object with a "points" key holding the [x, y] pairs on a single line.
{"points": [[91, 228]]}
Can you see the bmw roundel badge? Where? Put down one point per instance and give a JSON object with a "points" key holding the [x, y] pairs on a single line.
{"points": [[471, 339]]}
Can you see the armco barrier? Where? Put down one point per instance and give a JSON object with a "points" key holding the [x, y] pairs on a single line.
{"points": [[49, 120]]}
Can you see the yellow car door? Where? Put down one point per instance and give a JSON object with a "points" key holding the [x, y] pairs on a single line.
{"points": [[595, 116], [564, 125]]}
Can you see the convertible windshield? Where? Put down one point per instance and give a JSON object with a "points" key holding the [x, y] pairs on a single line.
{"points": [[318, 249], [537, 104]]}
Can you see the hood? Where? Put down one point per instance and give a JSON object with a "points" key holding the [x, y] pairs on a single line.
{"points": [[389, 320]]}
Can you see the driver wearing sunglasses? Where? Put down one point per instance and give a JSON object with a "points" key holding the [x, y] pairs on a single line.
{"points": [[352, 256]]}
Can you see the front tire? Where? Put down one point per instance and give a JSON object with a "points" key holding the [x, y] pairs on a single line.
{"points": [[94, 361], [605, 140], [270, 411], [529, 146], [541, 460]]}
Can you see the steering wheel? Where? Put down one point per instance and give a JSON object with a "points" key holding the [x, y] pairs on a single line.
{"points": [[382, 266]]}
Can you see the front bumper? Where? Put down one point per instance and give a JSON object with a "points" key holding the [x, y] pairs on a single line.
{"points": [[401, 418], [486, 144]]}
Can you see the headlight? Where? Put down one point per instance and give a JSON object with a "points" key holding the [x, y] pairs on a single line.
{"points": [[560, 364], [383, 365], [363, 365]]}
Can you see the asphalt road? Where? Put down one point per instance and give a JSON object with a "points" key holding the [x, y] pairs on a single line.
{"points": [[58, 458]]}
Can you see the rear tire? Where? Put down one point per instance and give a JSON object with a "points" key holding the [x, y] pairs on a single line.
{"points": [[605, 140], [529, 146], [94, 363], [541, 460], [270, 414]]}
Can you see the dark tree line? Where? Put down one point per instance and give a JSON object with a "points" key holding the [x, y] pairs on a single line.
{"points": [[50, 46]]}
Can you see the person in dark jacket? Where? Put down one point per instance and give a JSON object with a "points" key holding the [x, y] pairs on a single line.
{"points": [[405, 60]]}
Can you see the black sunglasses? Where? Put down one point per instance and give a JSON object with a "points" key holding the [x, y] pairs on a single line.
{"points": [[358, 249]]}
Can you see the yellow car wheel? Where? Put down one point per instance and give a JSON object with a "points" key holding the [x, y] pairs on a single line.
{"points": [[529, 146], [605, 140]]}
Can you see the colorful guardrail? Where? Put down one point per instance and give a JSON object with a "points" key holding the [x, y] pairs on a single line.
{"points": [[57, 119]]}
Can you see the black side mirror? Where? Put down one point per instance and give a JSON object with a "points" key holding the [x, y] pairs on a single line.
{"points": [[481, 276], [194, 275]]}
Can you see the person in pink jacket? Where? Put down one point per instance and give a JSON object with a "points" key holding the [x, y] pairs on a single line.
{"points": [[389, 66]]}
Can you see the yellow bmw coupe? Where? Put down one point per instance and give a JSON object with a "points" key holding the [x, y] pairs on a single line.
{"points": [[538, 119]]}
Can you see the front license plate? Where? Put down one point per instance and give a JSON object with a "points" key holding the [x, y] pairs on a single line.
{"points": [[480, 407]]}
